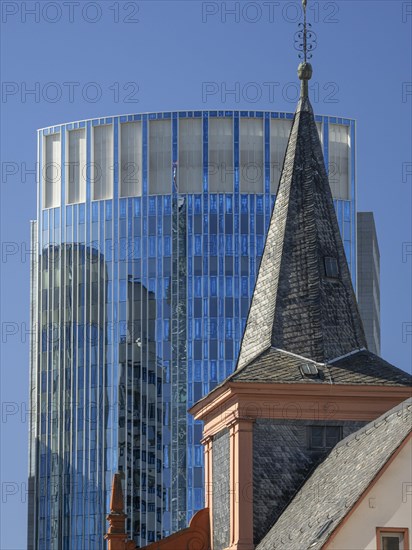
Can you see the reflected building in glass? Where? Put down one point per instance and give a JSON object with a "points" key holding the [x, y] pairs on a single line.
{"points": [[150, 229]]}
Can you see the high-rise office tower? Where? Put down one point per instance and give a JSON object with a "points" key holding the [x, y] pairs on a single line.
{"points": [[369, 280], [150, 229]]}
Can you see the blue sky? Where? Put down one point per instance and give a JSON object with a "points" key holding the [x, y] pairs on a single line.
{"points": [[87, 59]]}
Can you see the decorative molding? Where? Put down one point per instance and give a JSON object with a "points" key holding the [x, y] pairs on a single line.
{"points": [[237, 401], [196, 536]]}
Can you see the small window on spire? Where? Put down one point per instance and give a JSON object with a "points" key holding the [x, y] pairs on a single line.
{"points": [[331, 267]]}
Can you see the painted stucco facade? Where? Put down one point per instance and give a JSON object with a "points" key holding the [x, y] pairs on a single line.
{"points": [[387, 503]]}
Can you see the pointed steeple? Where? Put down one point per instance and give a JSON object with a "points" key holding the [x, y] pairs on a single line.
{"points": [[303, 301], [116, 499], [116, 535]]}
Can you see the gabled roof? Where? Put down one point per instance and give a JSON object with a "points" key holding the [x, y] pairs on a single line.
{"points": [[297, 306], [348, 471]]}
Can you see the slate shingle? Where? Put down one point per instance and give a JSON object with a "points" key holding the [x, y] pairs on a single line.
{"points": [[282, 461], [344, 475], [295, 307]]}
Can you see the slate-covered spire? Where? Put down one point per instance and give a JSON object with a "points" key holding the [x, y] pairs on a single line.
{"points": [[303, 301]]}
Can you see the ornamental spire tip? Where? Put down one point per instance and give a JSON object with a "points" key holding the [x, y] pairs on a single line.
{"points": [[305, 45]]}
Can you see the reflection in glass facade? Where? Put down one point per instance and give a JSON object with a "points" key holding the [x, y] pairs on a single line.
{"points": [[150, 230]]}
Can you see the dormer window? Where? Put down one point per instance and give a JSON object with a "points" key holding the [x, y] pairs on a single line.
{"points": [[331, 267], [309, 369]]}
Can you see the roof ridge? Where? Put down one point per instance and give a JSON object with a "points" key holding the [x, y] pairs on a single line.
{"points": [[307, 359], [354, 352]]}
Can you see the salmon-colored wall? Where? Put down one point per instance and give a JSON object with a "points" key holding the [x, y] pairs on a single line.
{"points": [[241, 477], [237, 405]]}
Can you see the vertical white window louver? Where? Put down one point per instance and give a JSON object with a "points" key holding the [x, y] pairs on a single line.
{"points": [[131, 159], [279, 137], [76, 167], [52, 171], [102, 168], [251, 155], [339, 144], [160, 157], [190, 169], [221, 164]]}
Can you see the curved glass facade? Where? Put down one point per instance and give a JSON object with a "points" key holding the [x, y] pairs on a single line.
{"points": [[150, 230]]}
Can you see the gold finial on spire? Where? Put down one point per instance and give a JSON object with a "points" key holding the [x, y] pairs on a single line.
{"points": [[305, 68], [305, 31]]}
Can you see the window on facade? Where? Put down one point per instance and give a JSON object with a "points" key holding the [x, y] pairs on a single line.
{"points": [[392, 538], [391, 541], [279, 136], [190, 169], [160, 157], [221, 155], [324, 437], [251, 155], [76, 167], [131, 159], [339, 145], [52, 171], [103, 162]]}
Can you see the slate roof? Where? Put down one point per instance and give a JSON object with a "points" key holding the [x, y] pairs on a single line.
{"points": [[309, 520], [295, 307], [361, 367]]}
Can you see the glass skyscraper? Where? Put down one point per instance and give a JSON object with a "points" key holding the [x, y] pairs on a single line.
{"points": [[150, 229]]}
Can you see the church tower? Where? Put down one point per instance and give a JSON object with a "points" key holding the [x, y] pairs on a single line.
{"points": [[304, 378]]}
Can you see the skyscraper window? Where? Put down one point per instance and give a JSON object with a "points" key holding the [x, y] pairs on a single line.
{"points": [[76, 166], [339, 145], [279, 135], [131, 159], [190, 155], [52, 171], [221, 155], [160, 157], [251, 155], [103, 168]]}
